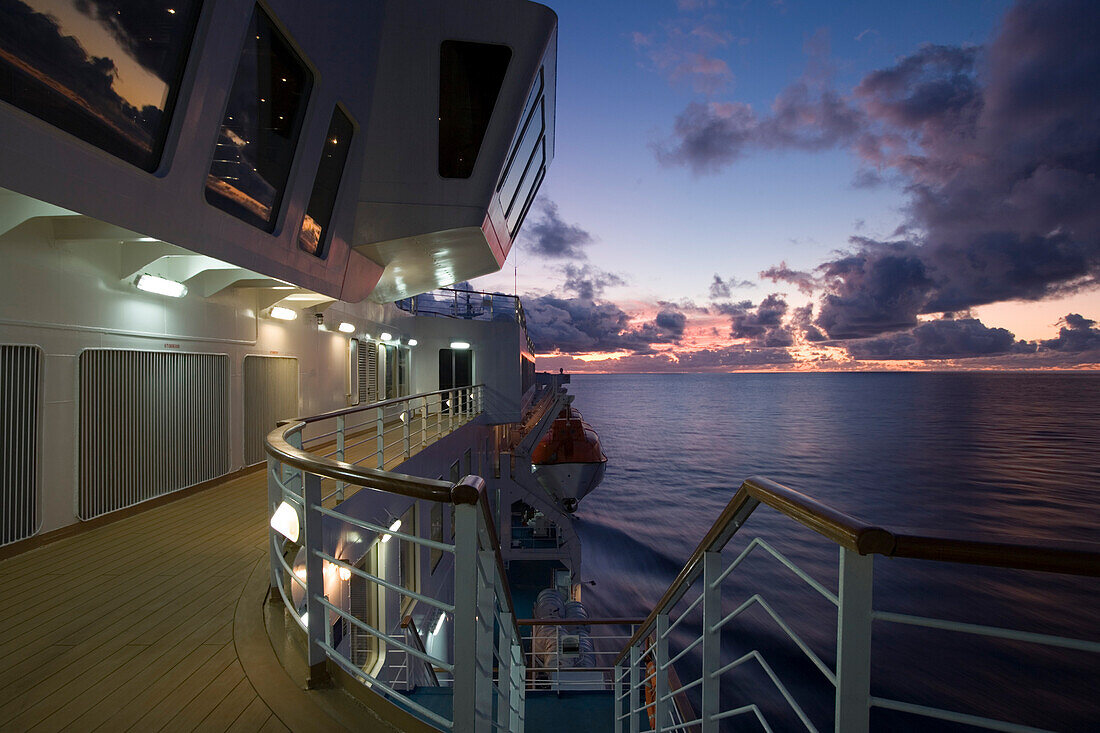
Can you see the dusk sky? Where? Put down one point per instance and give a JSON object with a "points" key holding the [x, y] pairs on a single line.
{"points": [[787, 184]]}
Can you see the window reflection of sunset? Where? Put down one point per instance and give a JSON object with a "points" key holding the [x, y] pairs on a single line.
{"points": [[133, 82]]}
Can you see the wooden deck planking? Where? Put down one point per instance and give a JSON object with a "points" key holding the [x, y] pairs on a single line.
{"points": [[133, 624]]}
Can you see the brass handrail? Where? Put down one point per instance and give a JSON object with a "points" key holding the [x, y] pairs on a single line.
{"points": [[414, 487], [854, 534]]}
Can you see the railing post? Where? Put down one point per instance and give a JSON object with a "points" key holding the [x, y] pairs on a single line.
{"points": [[465, 619], [660, 677], [292, 477], [450, 410], [423, 422], [519, 681], [340, 453], [405, 432], [853, 642], [635, 682], [618, 692], [317, 621], [504, 673], [274, 499], [712, 640], [379, 437], [486, 600]]}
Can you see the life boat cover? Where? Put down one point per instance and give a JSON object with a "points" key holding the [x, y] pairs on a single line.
{"points": [[570, 440]]}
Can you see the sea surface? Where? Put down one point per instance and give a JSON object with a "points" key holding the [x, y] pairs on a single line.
{"points": [[965, 455]]}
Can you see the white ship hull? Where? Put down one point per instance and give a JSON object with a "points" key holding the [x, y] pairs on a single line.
{"points": [[568, 483]]}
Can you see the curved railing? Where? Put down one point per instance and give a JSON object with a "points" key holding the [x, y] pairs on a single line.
{"points": [[337, 599], [645, 660]]}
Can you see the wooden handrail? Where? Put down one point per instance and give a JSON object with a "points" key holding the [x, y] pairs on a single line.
{"points": [[277, 446], [414, 487], [854, 534]]}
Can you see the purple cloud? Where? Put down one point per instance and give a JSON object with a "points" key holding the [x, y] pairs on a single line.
{"points": [[1077, 334], [550, 236], [720, 288], [942, 339], [997, 150]]}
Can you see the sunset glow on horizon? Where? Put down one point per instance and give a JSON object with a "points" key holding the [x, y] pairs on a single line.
{"points": [[796, 186]]}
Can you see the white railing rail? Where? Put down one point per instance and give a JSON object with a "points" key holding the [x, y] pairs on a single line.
{"points": [[694, 603], [384, 434], [552, 666], [484, 658]]}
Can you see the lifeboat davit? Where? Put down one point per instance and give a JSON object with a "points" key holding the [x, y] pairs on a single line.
{"points": [[568, 462]]}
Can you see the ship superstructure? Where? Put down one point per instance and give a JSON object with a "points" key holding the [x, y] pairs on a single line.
{"points": [[268, 464]]}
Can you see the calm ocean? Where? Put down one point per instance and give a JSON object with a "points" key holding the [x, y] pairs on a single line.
{"points": [[969, 455]]}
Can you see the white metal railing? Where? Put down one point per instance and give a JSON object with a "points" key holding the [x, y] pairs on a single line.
{"points": [[384, 434], [694, 604], [483, 658], [558, 660]]}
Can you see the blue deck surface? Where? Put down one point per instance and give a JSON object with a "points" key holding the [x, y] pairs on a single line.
{"points": [[547, 712]]}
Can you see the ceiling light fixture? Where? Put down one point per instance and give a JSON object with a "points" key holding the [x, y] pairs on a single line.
{"points": [[460, 344], [283, 314], [160, 286], [346, 327]]}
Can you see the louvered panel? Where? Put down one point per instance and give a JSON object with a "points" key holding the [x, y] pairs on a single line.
{"points": [[20, 385], [151, 422], [270, 395], [372, 373], [363, 370]]}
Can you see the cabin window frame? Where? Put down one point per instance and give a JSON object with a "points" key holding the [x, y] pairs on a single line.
{"points": [[272, 225], [325, 238], [458, 169]]}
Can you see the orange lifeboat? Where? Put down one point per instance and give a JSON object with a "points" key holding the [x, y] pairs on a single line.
{"points": [[569, 462]]}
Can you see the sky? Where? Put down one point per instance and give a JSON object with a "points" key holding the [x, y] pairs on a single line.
{"points": [[797, 185]]}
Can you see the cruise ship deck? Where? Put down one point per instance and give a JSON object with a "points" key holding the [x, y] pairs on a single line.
{"points": [[145, 623], [154, 621]]}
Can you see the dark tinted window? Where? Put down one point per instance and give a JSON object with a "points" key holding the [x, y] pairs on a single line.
{"points": [[107, 71], [326, 185], [529, 186], [470, 76], [260, 131]]}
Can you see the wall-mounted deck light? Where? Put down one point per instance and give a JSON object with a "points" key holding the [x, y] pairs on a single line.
{"points": [[413, 342], [283, 314], [285, 522], [393, 528], [346, 327], [160, 286], [386, 336], [344, 573], [460, 344]]}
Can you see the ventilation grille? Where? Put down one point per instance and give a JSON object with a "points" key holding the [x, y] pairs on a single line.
{"points": [[151, 422], [270, 395], [20, 375], [368, 373]]}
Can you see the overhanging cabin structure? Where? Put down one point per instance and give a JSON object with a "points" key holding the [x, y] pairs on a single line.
{"points": [[268, 465]]}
